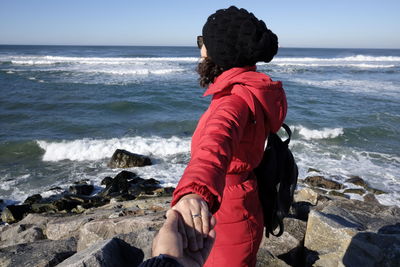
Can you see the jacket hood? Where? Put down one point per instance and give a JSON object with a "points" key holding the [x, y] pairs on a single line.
{"points": [[254, 86]]}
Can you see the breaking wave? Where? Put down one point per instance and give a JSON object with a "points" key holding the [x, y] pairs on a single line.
{"points": [[96, 149], [325, 133]]}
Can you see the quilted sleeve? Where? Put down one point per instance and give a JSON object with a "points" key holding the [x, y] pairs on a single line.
{"points": [[205, 173]]}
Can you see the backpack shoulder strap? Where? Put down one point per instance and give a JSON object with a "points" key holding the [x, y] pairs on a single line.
{"points": [[289, 133]]}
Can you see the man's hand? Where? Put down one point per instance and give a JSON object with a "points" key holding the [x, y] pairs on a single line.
{"points": [[169, 242]]}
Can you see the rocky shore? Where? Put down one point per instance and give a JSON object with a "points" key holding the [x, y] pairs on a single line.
{"points": [[77, 227]]}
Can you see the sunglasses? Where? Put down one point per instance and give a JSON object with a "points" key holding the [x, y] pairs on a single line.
{"points": [[200, 41]]}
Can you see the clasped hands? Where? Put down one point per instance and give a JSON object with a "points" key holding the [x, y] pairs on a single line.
{"points": [[187, 235]]}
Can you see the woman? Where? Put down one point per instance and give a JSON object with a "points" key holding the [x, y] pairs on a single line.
{"points": [[229, 140]]}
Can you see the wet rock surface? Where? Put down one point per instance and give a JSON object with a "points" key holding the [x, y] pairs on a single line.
{"points": [[125, 159]]}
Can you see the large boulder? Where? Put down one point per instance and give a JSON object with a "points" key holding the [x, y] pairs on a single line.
{"points": [[65, 228], [111, 252], [353, 233], [42, 253], [20, 234], [125, 159], [288, 247], [141, 230]]}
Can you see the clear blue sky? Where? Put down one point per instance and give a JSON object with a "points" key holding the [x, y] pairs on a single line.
{"points": [[298, 23]]}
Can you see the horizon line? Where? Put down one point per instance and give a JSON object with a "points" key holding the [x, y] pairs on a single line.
{"points": [[114, 45]]}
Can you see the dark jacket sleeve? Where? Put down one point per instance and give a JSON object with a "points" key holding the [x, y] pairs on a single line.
{"points": [[221, 135], [160, 261]]}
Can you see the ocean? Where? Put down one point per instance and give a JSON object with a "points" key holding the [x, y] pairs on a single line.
{"points": [[65, 109]]}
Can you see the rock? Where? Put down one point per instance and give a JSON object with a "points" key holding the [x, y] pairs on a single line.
{"points": [[111, 252], [83, 181], [358, 191], [79, 209], [352, 233], [14, 213], [81, 189], [42, 253], [306, 195], [125, 159], [142, 226], [71, 202], [360, 182], [137, 180], [158, 203], [289, 246], [64, 228], [265, 258], [37, 220], [66, 203], [33, 199], [126, 175], [127, 186], [118, 185], [20, 234], [375, 191], [357, 180], [338, 194], [43, 207], [371, 198], [164, 192], [57, 188], [375, 249], [320, 181], [124, 197], [142, 240], [323, 198], [106, 181]]}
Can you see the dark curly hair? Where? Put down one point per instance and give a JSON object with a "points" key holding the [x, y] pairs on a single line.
{"points": [[208, 71]]}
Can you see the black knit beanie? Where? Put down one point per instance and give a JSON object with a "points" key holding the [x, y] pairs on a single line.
{"points": [[236, 38]]}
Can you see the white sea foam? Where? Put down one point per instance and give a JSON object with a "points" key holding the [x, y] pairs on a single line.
{"points": [[137, 71], [9, 183], [96, 149], [330, 64], [388, 88], [50, 60], [325, 133], [342, 162], [357, 58], [356, 61]]}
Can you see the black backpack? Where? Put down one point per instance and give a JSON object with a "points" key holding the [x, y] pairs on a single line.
{"points": [[277, 179]]}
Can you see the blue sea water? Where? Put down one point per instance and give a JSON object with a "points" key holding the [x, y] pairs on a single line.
{"points": [[65, 109]]}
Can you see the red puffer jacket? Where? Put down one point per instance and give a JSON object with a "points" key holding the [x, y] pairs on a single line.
{"points": [[227, 145]]}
